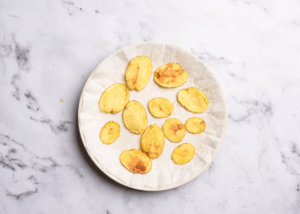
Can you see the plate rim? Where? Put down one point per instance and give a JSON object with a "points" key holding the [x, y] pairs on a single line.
{"points": [[141, 187]]}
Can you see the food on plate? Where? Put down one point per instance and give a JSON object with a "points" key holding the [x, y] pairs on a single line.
{"points": [[136, 161], [135, 117], [174, 130], [114, 98], [170, 75], [183, 153], [110, 132], [195, 125], [160, 107], [193, 99], [138, 73], [153, 141]]}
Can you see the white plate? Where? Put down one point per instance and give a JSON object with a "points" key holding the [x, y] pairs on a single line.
{"points": [[165, 174]]}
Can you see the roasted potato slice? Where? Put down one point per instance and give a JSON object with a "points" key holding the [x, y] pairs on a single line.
{"points": [[138, 73], [160, 107], [193, 99], [195, 125], [174, 130], [110, 132], [170, 75], [135, 117], [136, 161], [114, 98], [153, 141], [183, 153]]}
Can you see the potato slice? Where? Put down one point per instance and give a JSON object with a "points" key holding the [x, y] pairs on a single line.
{"points": [[136, 161], [193, 99], [170, 75], [160, 107], [153, 141], [183, 153], [195, 125], [138, 73], [174, 130], [110, 132], [135, 117], [114, 98]]}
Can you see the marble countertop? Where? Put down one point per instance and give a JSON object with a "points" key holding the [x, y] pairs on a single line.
{"points": [[47, 51]]}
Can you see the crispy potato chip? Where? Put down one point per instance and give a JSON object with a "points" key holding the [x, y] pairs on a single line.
{"points": [[160, 107], [183, 153], [114, 98], [136, 161], [110, 132], [170, 75], [138, 73], [153, 141], [135, 117], [195, 125], [193, 99], [174, 130]]}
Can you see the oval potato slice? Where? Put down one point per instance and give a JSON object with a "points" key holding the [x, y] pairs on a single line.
{"points": [[114, 98], [170, 75], [160, 107], [193, 99], [183, 153], [135, 117], [136, 161], [138, 73], [153, 141], [195, 125], [110, 132], [174, 130]]}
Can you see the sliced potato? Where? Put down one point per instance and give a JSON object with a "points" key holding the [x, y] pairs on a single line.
{"points": [[170, 75], [114, 98], [160, 107], [193, 99], [153, 141], [135, 117], [136, 161], [174, 130], [110, 132], [195, 125], [183, 153], [138, 73]]}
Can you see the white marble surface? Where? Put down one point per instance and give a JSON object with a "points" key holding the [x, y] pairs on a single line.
{"points": [[253, 47]]}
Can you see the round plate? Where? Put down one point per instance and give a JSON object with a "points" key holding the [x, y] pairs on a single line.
{"points": [[165, 174]]}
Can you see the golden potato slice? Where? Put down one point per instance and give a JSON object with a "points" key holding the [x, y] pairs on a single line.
{"points": [[174, 130], [193, 99], [110, 132], [183, 153], [138, 73], [170, 75], [114, 98], [153, 141], [160, 107], [135, 117], [136, 161], [195, 125]]}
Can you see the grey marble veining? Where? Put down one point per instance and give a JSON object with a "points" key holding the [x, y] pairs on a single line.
{"points": [[46, 47]]}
